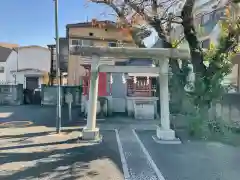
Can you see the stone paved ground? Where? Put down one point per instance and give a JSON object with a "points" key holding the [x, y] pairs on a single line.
{"points": [[194, 160], [138, 165], [40, 154], [34, 151], [28, 132], [46, 115]]}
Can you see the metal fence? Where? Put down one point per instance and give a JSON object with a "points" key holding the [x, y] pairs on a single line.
{"points": [[49, 94], [11, 94]]}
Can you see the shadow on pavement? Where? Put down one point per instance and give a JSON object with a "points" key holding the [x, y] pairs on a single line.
{"points": [[41, 144], [64, 164], [37, 115], [36, 134]]}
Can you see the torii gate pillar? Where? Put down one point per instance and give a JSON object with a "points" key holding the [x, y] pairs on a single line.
{"points": [[164, 133], [91, 132]]}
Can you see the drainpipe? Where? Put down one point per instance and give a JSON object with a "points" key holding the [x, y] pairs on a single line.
{"points": [[15, 76]]}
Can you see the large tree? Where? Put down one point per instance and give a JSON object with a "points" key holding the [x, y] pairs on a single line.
{"points": [[159, 14], [135, 14]]}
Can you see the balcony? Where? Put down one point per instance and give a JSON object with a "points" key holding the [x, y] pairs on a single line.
{"points": [[204, 24]]}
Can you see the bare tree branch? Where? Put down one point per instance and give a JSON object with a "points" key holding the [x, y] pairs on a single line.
{"points": [[138, 34], [118, 11]]}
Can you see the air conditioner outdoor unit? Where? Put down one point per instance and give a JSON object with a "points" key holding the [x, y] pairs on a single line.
{"points": [[74, 48]]}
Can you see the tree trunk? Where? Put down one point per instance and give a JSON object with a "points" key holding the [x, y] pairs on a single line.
{"points": [[178, 80], [191, 37]]}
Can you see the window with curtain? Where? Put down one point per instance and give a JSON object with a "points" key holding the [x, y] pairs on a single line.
{"points": [[1, 69]]}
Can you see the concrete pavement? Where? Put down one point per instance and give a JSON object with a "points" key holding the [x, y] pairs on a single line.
{"points": [[45, 155], [194, 160], [34, 151], [36, 114], [137, 163]]}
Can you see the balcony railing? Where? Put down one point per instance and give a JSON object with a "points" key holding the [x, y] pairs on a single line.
{"points": [[75, 49], [205, 28], [202, 26]]}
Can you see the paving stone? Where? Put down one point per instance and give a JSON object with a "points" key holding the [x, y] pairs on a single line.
{"points": [[138, 164]]}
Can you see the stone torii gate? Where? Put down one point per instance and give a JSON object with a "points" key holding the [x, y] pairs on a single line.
{"points": [[91, 132]]}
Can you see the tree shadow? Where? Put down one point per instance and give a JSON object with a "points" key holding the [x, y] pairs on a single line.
{"points": [[35, 134], [63, 164], [38, 116], [38, 145]]}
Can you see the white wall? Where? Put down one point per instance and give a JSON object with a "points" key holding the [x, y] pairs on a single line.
{"points": [[10, 62], [34, 58], [21, 78], [27, 58]]}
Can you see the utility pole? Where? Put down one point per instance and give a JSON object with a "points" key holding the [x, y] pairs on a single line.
{"points": [[17, 65], [58, 117]]}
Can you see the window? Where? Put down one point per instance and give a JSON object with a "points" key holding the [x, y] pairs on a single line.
{"points": [[206, 18], [112, 44], [1, 69], [75, 42], [5, 90], [218, 14], [206, 44], [87, 43], [81, 42]]}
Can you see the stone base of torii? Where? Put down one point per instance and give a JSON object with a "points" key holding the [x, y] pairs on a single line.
{"points": [[163, 133]]}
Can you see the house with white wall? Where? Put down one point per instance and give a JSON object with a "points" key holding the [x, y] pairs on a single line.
{"points": [[27, 65], [31, 67], [6, 55]]}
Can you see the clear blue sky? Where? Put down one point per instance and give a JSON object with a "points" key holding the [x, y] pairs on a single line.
{"points": [[31, 22]]}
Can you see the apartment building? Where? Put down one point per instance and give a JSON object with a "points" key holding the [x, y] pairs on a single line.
{"points": [[207, 15], [121, 88], [63, 59], [94, 33]]}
